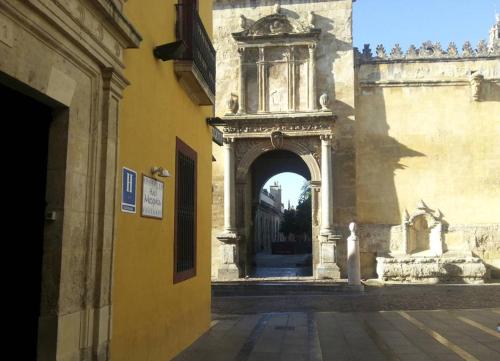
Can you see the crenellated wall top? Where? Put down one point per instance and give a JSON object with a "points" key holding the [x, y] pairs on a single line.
{"points": [[427, 51]]}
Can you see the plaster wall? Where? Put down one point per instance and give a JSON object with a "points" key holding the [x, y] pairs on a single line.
{"points": [[155, 318]]}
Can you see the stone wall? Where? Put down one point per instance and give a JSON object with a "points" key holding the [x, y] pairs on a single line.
{"points": [[425, 131], [68, 55]]}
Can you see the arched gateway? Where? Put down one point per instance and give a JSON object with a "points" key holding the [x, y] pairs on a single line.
{"points": [[279, 103]]}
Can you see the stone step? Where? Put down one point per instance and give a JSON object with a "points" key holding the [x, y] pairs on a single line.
{"points": [[275, 288]]}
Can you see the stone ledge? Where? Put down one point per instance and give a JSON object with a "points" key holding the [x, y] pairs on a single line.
{"points": [[431, 269]]}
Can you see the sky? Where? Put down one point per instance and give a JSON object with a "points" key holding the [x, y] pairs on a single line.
{"points": [[409, 22], [291, 184]]}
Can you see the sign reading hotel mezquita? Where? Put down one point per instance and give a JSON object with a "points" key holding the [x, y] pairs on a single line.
{"points": [[374, 133], [152, 198]]}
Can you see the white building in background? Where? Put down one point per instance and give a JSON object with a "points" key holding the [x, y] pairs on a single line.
{"points": [[268, 218]]}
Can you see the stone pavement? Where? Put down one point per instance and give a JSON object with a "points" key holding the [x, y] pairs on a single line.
{"points": [[398, 322], [442, 335]]}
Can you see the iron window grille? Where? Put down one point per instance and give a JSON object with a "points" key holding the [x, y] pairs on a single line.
{"points": [[185, 212]]}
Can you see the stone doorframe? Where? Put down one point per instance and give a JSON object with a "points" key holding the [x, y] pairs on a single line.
{"points": [[69, 56], [240, 151]]}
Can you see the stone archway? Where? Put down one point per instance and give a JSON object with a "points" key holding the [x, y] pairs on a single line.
{"points": [[255, 202], [240, 153]]}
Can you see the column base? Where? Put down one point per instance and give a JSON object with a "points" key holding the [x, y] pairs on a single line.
{"points": [[356, 288], [228, 272], [228, 237], [229, 269], [328, 271]]}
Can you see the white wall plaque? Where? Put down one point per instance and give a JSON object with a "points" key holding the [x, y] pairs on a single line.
{"points": [[152, 198]]}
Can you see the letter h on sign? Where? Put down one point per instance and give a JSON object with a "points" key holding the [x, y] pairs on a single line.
{"points": [[129, 186]]}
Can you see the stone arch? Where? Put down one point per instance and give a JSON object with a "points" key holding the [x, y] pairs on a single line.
{"points": [[296, 147]]}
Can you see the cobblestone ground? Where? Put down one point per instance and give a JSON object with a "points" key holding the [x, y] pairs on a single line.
{"points": [[399, 322]]}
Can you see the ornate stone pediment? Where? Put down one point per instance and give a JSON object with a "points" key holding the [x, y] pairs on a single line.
{"points": [[275, 26]]}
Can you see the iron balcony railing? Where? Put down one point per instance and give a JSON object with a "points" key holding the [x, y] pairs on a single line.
{"points": [[199, 48]]}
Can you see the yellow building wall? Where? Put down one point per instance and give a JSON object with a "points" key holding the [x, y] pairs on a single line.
{"points": [[153, 318]]}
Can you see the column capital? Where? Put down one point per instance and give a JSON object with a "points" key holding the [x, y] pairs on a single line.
{"points": [[228, 141], [312, 47], [241, 51], [326, 137]]}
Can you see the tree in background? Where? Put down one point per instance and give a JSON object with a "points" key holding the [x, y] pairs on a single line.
{"points": [[298, 221]]}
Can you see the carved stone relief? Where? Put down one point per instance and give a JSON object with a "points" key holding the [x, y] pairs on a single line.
{"points": [[423, 231]]}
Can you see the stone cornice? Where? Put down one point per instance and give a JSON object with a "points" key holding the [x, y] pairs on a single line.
{"points": [[418, 83], [319, 115], [115, 16], [298, 126]]}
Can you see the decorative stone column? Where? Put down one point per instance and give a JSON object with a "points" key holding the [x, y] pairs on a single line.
{"points": [[327, 267], [291, 79], [262, 81], [326, 185], [312, 78], [242, 86], [353, 261], [229, 238]]}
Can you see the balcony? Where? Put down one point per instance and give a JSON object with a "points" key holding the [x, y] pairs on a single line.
{"points": [[195, 66]]}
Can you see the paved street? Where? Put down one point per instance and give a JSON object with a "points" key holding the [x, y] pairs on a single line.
{"points": [[399, 322]]}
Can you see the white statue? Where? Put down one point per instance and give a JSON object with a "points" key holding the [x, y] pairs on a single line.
{"points": [[277, 8], [324, 101], [353, 257]]}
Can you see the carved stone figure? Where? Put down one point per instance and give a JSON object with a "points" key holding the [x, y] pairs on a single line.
{"points": [[277, 8], [324, 101], [310, 19], [277, 139], [476, 80], [243, 22], [232, 104]]}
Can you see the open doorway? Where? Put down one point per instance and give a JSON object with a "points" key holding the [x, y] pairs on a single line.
{"points": [[280, 245], [283, 229], [28, 122]]}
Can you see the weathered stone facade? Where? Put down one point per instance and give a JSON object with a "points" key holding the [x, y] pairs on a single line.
{"points": [[406, 126], [68, 56], [280, 71]]}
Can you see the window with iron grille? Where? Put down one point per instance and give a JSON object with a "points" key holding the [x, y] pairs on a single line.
{"points": [[185, 212]]}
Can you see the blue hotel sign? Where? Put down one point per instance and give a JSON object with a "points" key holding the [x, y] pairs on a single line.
{"points": [[129, 187]]}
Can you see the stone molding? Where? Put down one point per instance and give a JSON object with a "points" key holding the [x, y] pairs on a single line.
{"points": [[297, 125], [278, 27], [308, 148]]}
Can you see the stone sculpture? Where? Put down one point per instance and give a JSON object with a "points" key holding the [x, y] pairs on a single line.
{"points": [[476, 80], [232, 104], [324, 101]]}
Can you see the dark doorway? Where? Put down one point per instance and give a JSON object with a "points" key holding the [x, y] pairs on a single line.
{"points": [[26, 126]]}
